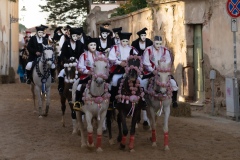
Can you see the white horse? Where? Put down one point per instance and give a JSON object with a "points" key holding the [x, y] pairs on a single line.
{"points": [[41, 85], [159, 97], [96, 101]]}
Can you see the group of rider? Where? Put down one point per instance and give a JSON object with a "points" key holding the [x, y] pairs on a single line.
{"points": [[73, 42]]}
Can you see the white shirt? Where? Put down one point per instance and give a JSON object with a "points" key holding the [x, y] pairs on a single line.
{"points": [[39, 40], [61, 41], [154, 57], [73, 45], [142, 45], [121, 54], [103, 43], [86, 61]]}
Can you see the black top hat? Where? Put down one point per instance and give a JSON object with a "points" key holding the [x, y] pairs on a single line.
{"points": [[124, 35], [117, 30], [44, 26], [57, 29], [157, 38], [80, 30], [106, 23], [40, 28], [73, 31], [142, 31], [90, 40], [104, 30], [68, 27]]}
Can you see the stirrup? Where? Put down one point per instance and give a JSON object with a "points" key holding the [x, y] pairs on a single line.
{"points": [[77, 106]]}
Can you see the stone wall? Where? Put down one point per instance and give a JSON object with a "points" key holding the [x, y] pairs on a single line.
{"points": [[174, 21]]}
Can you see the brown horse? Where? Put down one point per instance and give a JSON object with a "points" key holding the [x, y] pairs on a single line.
{"points": [[71, 74]]}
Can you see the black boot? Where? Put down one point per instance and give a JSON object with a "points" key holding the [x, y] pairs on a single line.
{"points": [[60, 84], [52, 75], [174, 99], [29, 77]]}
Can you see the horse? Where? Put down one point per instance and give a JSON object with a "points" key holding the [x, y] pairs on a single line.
{"points": [[96, 101], [41, 75], [129, 100], [71, 75], [158, 98]]}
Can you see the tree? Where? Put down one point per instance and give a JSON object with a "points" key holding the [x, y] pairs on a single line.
{"points": [[130, 6], [22, 27], [70, 12]]}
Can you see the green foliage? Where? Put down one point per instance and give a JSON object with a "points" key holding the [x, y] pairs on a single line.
{"points": [[21, 27], [72, 12], [130, 6]]}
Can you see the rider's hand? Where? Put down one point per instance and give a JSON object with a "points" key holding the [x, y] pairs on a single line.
{"points": [[38, 53], [89, 73], [107, 50], [123, 64]]}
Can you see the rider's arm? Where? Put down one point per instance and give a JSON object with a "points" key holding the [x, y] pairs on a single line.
{"points": [[61, 41], [31, 48], [146, 61], [81, 65], [174, 84], [113, 57]]}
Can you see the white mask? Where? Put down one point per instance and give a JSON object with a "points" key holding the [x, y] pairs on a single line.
{"points": [[116, 35], [40, 34], [92, 47], [59, 33], [104, 35], [143, 37], [157, 44], [74, 37], [124, 42]]}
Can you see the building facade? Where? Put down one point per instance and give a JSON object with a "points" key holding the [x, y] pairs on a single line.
{"points": [[9, 34]]}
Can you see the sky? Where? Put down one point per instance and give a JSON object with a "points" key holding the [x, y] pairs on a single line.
{"points": [[32, 16]]}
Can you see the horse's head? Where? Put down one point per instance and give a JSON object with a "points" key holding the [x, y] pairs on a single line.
{"points": [[48, 55], [100, 70], [70, 70], [134, 67], [162, 79]]}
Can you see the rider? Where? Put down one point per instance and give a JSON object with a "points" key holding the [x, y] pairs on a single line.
{"points": [[118, 56], [104, 43], [116, 39], [70, 48], [35, 48], [141, 43], [152, 55], [85, 63]]}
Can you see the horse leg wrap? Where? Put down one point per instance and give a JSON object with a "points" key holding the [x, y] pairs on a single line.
{"points": [[166, 139], [99, 141], [154, 139], [123, 142], [131, 142], [90, 138]]}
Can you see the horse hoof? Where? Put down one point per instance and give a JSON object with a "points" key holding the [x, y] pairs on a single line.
{"points": [[122, 147], [166, 148], [83, 145], [131, 150], [74, 132], [154, 144], [136, 126], [40, 116], [99, 149], [90, 145], [111, 141]]}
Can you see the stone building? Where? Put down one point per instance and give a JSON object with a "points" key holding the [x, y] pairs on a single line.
{"points": [[198, 32], [8, 56]]}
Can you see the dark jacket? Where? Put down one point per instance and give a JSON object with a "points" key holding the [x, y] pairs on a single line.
{"points": [[34, 46], [135, 44], [67, 51], [100, 48]]}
